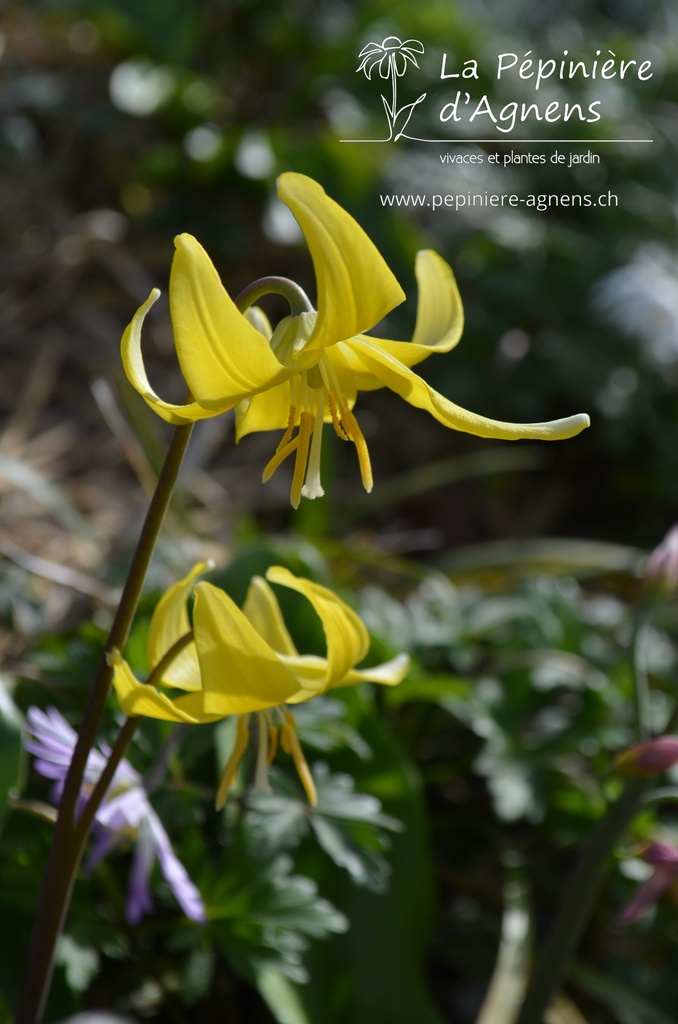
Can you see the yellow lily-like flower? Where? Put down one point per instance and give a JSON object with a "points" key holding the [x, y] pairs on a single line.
{"points": [[309, 370], [241, 662]]}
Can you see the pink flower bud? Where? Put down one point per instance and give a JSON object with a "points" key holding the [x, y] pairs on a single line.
{"points": [[661, 855], [661, 568], [653, 757], [664, 859]]}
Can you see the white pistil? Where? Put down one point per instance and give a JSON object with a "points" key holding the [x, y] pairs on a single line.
{"points": [[312, 486]]}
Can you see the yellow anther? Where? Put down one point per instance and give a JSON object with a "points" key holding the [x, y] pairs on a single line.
{"points": [[355, 434], [242, 740], [291, 745]]}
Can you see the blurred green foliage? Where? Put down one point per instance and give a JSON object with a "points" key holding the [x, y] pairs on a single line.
{"points": [[492, 760]]}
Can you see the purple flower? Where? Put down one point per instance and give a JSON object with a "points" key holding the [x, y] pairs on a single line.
{"points": [[664, 859], [124, 814]]}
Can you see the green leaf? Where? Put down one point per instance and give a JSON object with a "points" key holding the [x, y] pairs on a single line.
{"points": [[349, 826], [197, 975], [280, 996], [262, 914]]}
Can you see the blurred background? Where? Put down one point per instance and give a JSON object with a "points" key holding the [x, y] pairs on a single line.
{"points": [[123, 123]]}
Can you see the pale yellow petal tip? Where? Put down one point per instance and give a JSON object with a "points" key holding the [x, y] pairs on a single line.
{"points": [[570, 426], [184, 240], [389, 673], [399, 668], [551, 430]]}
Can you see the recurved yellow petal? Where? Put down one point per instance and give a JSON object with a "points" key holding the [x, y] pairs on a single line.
{"points": [[311, 674], [355, 286], [132, 359], [262, 610], [394, 375], [440, 314], [136, 698], [389, 673], [240, 671], [345, 633], [170, 623], [223, 357]]}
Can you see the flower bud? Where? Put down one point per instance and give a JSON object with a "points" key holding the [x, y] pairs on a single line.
{"points": [[664, 859], [661, 855], [661, 568], [652, 757]]}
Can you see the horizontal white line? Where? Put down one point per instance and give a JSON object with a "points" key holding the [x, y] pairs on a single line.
{"points": [[533, 142]]}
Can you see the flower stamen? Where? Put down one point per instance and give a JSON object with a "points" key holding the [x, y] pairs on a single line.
{"points": [[291, 745], [285, 439], [336, 422], [261, 783], [242, 740], [355, 434], [279, 457], [273, 733], [306, 424]]}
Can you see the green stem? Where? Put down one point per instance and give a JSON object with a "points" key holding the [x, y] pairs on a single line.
{"points": [[576, 903], [69, 839], [297, 298], [85, 819]]}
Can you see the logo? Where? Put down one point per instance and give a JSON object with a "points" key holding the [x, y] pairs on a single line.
{"points": [[391, 58], [573, 78]]}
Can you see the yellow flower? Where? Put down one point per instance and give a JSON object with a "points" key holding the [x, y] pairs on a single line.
{"points": [[309, 370], [245, 662]]}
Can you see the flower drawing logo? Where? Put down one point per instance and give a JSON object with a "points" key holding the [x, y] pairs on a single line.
{"points": [[391, 58]]}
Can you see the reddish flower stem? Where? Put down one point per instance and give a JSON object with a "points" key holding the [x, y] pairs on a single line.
{"points": [[69, 836]]}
